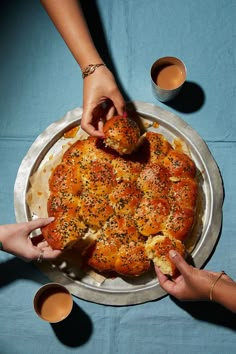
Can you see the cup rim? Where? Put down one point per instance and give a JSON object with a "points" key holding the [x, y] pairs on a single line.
{"points": [[39, 293], [170, 59]]}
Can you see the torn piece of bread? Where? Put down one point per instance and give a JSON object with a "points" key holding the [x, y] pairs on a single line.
{"points": [[157, 249], [121, 134], [64, 232]]}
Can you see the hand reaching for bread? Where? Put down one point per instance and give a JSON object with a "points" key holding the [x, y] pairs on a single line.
{"points": [[190, 284]]}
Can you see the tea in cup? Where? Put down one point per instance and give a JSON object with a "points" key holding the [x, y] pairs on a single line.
{"points": [[168, 75], [53, 302]]}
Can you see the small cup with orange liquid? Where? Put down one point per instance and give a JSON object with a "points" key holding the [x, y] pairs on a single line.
{"points": [[168, 75], [53, 302]]}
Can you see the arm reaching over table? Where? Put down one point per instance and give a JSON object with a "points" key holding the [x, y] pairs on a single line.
{"points": [[99, 83], [14, 239], [194, 284]]}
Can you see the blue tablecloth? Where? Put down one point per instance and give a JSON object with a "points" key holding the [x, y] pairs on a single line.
{"points": [[40, 81]]}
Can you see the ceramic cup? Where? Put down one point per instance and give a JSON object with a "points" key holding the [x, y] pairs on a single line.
{"points": [[168, 75], [53, 302]]}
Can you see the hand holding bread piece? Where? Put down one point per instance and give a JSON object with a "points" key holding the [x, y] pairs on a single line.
{"points": [[157, 250]]}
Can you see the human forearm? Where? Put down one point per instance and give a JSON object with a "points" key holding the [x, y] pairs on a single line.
{"points": [[99, 87], [4, 238], [194, 284], [224, 293], [68, 18]]}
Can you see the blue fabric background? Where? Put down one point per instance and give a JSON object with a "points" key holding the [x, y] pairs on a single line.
{"points": [[40, 81]]}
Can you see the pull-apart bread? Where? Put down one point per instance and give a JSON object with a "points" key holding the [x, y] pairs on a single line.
{"points": [[121, 134], [137, 195]]}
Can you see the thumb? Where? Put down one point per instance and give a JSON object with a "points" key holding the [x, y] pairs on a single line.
{"points": [[179, 262]]}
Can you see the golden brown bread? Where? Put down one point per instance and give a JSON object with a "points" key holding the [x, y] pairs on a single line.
{"points": [[155, 146], [179, 222], [64, 231], [74, 154], [157, 250], [126, 170], [65, 178], [179, 164], [121, 134], [132, 260], [62, 203], [98, 177], [87, 151], [125, 198], [154, 180], [184, 192], [151, 215], [135, 202], [119, 248], [95, 209]]}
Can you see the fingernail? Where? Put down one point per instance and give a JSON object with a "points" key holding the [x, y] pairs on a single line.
{"points": [[51, 218], [125, 114], [172, 254]]}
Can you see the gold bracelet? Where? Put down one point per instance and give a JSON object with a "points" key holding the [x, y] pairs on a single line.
{"points": [[90, 69], [213, 285]]}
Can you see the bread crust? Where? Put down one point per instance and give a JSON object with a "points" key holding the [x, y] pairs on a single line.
{"points": [[135, 203], [157, 249], [121, 134]]}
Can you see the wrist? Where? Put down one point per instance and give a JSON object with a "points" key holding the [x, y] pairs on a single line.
{"points": [[92, 58], [90, 69], [225, 294], [3, 238], [214, 285]]}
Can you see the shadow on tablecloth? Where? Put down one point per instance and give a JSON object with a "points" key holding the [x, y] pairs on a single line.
{"points": [[190, 99], [209, 312], [79, 326], [75, 330], [14, 269]]}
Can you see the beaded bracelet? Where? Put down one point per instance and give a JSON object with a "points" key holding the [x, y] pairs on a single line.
{"points": [[213, 285], [90, 69]]}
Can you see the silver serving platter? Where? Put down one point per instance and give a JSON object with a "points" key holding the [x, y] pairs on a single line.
{"points": [[127, 291]]}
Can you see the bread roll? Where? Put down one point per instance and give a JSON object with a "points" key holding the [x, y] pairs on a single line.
{"points": [[155, 146], [119, 248], [125, 198], [151, 215], [95, 209], [179, 164], [157, 250], [64, 232], [121, 134]]}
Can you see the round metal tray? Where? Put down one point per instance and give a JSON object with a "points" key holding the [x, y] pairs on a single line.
{"points": [[126, 291]]}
